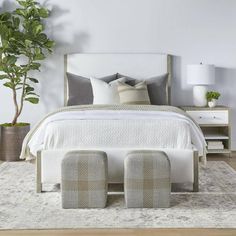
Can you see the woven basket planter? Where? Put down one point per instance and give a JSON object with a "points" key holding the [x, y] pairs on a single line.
{"points": [[11, 142]]}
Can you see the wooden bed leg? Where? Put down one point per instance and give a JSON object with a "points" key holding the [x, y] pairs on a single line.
{"points": [[195, 171], [38, 173]]}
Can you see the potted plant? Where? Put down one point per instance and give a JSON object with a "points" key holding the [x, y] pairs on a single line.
{"points": [[23, 44], [212, 97]]}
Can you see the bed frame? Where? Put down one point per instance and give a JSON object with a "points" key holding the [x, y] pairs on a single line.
{"points": [[137, 65], [185, 163]]}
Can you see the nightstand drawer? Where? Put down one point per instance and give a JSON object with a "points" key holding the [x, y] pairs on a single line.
{"points": [[210, 117]]}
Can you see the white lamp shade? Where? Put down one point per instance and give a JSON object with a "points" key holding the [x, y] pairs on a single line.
{"points": [[200, 74]]}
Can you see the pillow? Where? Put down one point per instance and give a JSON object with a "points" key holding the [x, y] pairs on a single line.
{"points": [[157, 88], [80, 89], [137, 94], [105, 93]]}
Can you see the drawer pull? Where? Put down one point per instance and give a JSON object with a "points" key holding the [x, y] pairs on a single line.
{"points": [[213, 117]]}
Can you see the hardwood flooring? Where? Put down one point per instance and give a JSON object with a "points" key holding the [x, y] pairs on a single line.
{"points": [[134, 232], [123, 232]]}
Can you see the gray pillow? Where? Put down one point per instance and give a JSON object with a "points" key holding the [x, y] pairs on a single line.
{"points": [[157, 88], [80, 89]]}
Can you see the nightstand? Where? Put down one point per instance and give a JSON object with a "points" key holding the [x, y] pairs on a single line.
{"points": [[215, 125]]}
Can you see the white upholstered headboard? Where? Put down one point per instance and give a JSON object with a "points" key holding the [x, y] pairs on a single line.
{"points": [[136, 65]]}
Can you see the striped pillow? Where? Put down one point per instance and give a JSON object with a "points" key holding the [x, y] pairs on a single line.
{"points": [[137, 94]]}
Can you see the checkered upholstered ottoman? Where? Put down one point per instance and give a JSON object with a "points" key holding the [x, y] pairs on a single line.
{"points": [[147, 179], [84, 179]]}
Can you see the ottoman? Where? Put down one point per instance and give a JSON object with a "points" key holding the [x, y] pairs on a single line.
{"points": [[84, 179], [147, 179]]}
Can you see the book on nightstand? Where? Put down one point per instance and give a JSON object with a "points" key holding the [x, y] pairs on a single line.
{"points": [[211, 145]]}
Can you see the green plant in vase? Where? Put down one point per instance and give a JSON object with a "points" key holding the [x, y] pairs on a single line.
{"points": [[23, 45], [212, 97]]}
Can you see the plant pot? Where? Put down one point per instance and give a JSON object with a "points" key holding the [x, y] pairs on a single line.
{"points": [[11, 142], [212, 103]]}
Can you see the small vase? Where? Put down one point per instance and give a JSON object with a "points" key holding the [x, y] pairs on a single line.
{"points": [[212, 103]]}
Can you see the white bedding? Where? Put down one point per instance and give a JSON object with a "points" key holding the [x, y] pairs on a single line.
{"points": [[117, 128]]}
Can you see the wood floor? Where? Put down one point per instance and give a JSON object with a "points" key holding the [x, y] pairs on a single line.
{"points": [[123, 232], [134, 232]]}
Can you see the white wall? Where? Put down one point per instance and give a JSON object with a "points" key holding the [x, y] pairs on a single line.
{"points": [[192, 30]]}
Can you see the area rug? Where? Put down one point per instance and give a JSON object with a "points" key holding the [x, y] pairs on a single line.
{"points": [[214, 206]]}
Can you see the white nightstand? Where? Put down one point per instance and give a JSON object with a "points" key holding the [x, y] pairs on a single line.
{"points": [[215, 125]]}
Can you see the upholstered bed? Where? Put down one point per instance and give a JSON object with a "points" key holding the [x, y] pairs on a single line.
{"points": [[116, 129]]}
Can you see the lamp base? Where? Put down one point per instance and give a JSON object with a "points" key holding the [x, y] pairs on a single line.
{"points": [[199, 95]]}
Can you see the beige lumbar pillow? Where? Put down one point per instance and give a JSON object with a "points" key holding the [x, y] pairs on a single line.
{"points": [[137, 94]]}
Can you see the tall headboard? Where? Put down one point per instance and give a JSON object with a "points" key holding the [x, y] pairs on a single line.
{"points": [[136, 65]]}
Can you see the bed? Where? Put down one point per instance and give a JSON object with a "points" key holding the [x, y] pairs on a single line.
{"points": [[116, 129]]}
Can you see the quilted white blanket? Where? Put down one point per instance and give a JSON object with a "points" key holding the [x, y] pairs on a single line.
{"points": [[121, 127]]}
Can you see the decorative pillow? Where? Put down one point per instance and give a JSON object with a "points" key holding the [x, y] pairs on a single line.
{"points": [[105, 93], [137, 94], [80, 89], [157, 88]]}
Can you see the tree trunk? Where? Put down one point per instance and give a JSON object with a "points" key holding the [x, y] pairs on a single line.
{"points": [[22, 95], [16, 108]]}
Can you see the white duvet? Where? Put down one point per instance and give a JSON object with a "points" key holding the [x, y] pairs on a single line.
{"points": [[117, 129]]}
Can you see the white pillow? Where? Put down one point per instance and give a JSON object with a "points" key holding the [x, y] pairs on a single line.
{"points": [[105, 93]]}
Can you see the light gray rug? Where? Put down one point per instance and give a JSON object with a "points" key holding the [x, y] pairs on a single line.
{"points": [[21, 208]]}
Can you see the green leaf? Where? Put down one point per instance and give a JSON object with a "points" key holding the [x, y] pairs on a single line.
{"points": [[3, 68], [9, 60], [35, 66], [22, 3], [32, 100], [33, 80], [9, 85], [28, 43], [3, 77], [42, 38], [37, 50], [16, 21], [43, 13], [29, 89], [21, 12], [5, 16], [39, 56], [37, 29], [12, 60], [50, 44], [3, 30]]}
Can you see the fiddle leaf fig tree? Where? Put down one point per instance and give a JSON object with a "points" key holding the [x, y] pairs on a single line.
{"points": [[23, 45]]}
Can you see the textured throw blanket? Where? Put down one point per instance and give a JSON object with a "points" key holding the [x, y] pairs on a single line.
{"points": [[75, 117]]}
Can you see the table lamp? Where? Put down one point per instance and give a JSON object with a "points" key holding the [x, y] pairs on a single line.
{"points": [[200, 75]]}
